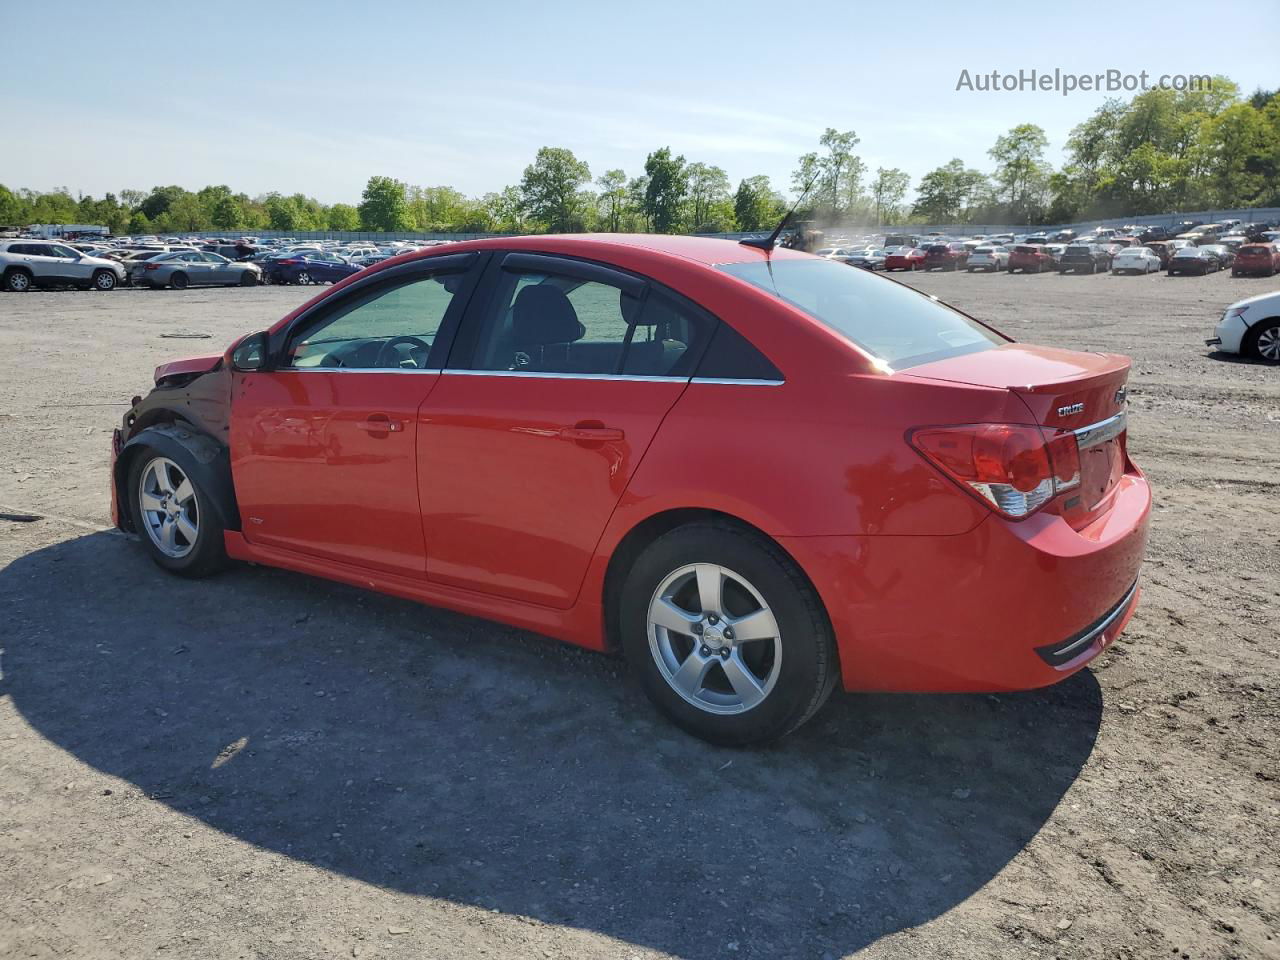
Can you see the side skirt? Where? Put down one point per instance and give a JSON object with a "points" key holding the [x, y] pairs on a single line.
{"points": [[581, 625]]}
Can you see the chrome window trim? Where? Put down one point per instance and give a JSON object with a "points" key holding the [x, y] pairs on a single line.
{"points": [[353, 370], [1102, 431], [535, 374], [737, 382]]}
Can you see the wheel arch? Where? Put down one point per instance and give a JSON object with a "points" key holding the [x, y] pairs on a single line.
{"points": [[1249, 342], [167, 433], [648, 529]]}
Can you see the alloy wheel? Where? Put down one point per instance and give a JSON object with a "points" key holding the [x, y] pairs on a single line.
{"points": [[303, 277], [170, 511], [19, 282], [714, 638], [1269, 343]]}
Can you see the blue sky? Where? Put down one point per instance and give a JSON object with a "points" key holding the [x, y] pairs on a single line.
{"points": [[316, 97]]}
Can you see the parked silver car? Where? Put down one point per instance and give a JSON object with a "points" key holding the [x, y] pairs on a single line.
{"points": [[39, 263], [189, 268]]}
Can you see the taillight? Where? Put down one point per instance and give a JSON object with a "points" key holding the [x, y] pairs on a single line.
{"points": [[151, 266], [290, 263], [1013, 468]]}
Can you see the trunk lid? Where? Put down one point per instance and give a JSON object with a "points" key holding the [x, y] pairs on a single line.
{"points": [[1063, 390]]}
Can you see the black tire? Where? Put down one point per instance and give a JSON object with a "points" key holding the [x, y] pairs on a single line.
{"points": [[18, 281], [248, 279], [208, 554], [1250, 344], [808, 669], [104, 280], [179, 281]]}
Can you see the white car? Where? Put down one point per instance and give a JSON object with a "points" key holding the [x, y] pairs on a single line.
{"points": [[1251, 327], [1135, 260], [989, 258]]}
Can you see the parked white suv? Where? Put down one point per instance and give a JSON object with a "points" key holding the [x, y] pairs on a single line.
{"points": [[1251, 327], [39, 263]]}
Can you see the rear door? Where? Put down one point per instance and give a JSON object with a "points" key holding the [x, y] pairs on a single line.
{"points": [[324, 444], [560, 378]]}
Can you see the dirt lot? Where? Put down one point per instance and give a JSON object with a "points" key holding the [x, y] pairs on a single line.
{"points": [[264, 765]]}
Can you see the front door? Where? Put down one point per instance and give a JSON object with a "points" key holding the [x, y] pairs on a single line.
{"points": [[557, 385], [323, 444]]}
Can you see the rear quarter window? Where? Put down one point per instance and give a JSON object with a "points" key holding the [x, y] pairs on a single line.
{"points": [[890, 321]]}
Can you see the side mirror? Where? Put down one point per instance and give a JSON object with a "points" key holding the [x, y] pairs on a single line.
{"points": [[250, 354]]}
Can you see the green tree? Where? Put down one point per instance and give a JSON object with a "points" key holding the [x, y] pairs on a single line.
{"points": [[946, 193], [343, 216], [383, 206], [159, 200], [666, 184], [227, 213], [549, 190], [1022, 176], [708, 188], [613, 199], [755, 204], [887, 191]]}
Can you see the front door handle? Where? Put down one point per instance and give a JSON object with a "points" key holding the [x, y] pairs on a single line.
{"points": [[381, 423], [590, 431]]}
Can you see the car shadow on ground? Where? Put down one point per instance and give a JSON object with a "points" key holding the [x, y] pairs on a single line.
{"points": [[1247, 360], [450, 758]]}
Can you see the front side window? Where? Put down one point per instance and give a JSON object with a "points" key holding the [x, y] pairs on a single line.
{"points": [[549, 323], [64, 253], [381, 328], [893, 323]]}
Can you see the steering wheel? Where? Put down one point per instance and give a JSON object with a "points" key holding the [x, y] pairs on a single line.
{"points": [[390, 346]]}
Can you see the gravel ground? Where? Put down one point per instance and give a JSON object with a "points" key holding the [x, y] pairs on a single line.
{"points": [[269, 766]]}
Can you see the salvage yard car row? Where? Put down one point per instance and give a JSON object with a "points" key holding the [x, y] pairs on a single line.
{"points": [[153, 262]]}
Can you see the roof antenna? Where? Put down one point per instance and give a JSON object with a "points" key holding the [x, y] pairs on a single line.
{"points": [[769, 242]]}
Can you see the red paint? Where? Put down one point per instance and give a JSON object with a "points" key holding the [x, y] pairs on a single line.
{"points": [[188, 365], [505, 497]]}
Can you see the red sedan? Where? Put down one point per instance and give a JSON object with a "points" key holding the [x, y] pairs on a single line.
{"points": [[1260, 258], [758, 474], [905, 258]]}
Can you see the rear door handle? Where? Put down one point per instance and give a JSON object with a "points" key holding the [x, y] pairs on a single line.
{"points": [[381, 423], [590, 433]]}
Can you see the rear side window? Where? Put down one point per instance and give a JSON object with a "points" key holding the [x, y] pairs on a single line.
{"points": [[730, 356], [545, 322], [890, 321]]}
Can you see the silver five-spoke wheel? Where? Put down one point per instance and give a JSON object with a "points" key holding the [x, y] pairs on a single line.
{"points": [[714, 639], [170, 511]]}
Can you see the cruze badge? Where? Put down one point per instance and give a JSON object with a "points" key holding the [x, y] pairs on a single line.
{"points": [[1071, 410], [1121, 396]]}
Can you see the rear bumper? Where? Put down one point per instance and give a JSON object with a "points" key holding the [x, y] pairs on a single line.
{"points": [[976, 612]]}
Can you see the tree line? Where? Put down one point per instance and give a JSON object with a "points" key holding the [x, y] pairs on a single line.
{"points": [[1163, 150]]}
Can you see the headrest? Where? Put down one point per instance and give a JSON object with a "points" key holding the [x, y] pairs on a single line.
{"points": [[629, 307], [542, 314]]}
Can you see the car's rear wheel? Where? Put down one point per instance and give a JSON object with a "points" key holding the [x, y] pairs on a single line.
{"points": [[174, 518], [303, 277], [1264, 341], [248, 279], [730, 640], [17, 281], [179, 281]]}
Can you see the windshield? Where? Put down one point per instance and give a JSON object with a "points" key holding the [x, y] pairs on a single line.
{"points": [[890, 321]]}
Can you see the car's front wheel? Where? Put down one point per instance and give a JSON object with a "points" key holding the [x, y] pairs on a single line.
{"points": [[729, 638], [104, 280], [175, 519], [1264, 341]]}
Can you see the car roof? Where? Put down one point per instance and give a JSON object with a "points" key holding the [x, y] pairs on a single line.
{"points": [[705, 250]]}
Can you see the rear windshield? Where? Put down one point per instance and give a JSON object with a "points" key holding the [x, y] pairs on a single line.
{"points": [[889, 320], [1255, 251]]}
